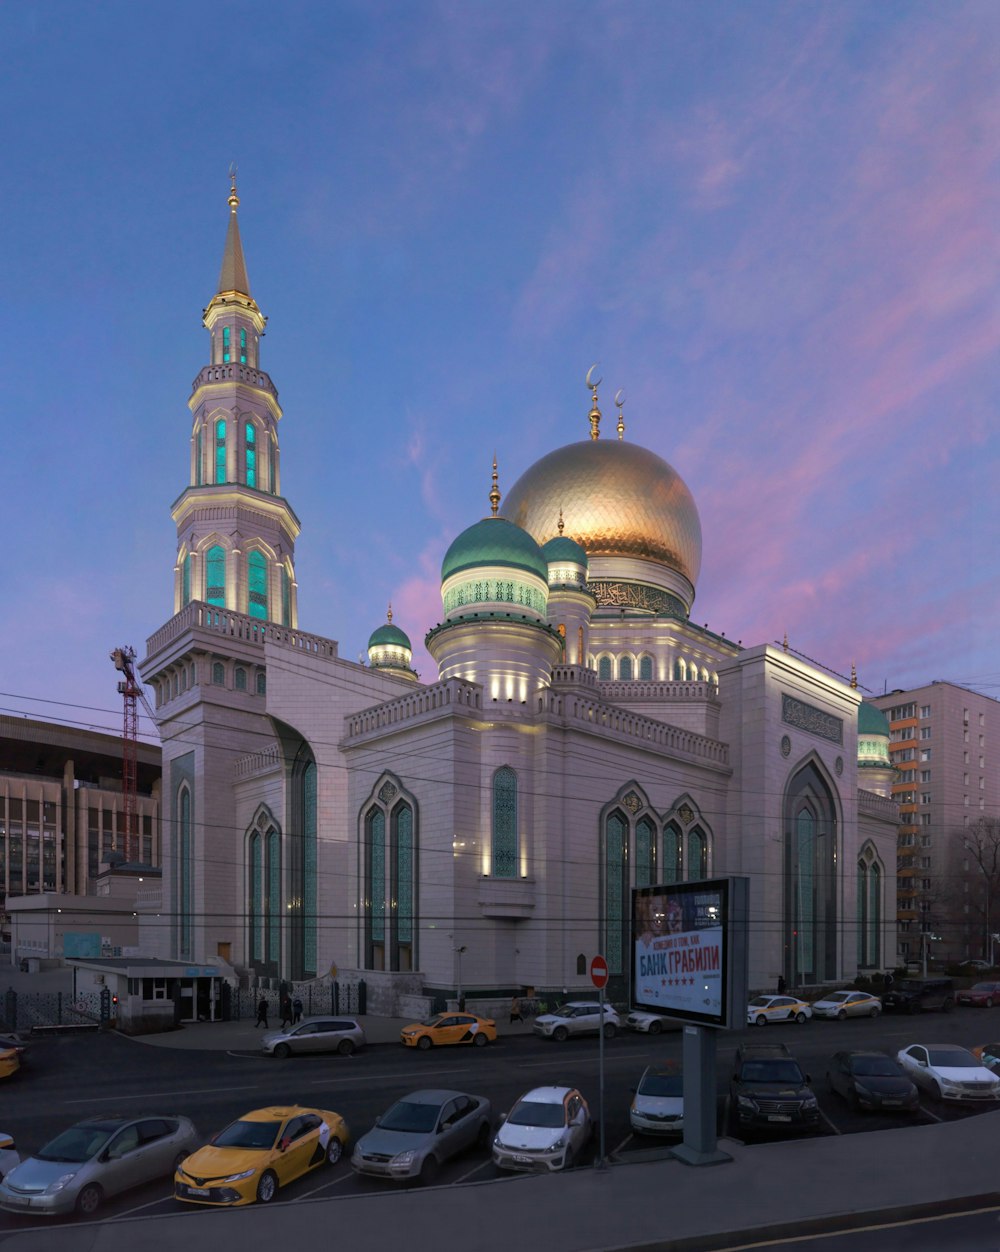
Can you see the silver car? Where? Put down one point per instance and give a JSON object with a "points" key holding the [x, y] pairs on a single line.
{"points": [[96, 1159], [316, 1034], [578, 1017], [420, 1132], [546, 1130]]}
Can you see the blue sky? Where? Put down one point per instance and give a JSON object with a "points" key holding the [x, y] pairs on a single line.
{"points": [[774, 225]]}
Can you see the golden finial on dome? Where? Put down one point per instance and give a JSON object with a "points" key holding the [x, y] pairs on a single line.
{"points": [[854, 676], [620, 404], [494, 490], [595, 412], [233, 197], [388, 615], [561, 524]]}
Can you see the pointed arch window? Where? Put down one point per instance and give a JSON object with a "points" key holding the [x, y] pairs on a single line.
{"points": [[503, 861], [243, 346], [186, 580], [869, 910], [185, 867], [273, 909], [697, 858], [604, 669], [220, 450], [810, 837], [625, 668], [226, 354], [375, 882], [645, 852], [240, 678], [402, 887], [199, 470], [673, 860], [256, 897], [262, 683], [215, 576], [286, 597], [615, 890], [646, 669], [257, 585], [251, 436]]}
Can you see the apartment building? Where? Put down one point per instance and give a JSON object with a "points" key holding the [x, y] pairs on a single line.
{"points": [[945, 747]]}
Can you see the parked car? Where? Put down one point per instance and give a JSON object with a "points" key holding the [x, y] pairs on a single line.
{"points": [[646, 1023], [841, 1004], [93, 1160], [414, 1138], [976, 965], [913, 995], [9, 1155], [10, 1062], [983, 995], [872, 1080], [546, 1130], [19, 1044], [764, 1009], [989, 1055], [770, 1092], [577, 1017], [448, 1028], [658, 1101], [260, 1152], [316, 1034], [949, 1072]]}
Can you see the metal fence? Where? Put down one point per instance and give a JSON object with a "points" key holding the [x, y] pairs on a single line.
{"points": [[21, 1010], [240, 1003]]}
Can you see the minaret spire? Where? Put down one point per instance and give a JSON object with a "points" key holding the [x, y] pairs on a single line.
{"points": [[494, 490], [233, 275]]}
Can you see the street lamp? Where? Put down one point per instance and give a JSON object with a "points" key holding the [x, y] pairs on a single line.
{"points": [[458, 953]]}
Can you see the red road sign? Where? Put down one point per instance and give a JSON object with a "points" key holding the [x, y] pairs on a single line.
{"points": [[599, 971]]}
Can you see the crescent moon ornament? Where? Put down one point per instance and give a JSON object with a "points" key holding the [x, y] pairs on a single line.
{"points": [[618, 397], [590, 377]]}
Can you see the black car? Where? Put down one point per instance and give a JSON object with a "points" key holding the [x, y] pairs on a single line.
{"points": [[769, 1091], [913, 995], [872, 1080]]}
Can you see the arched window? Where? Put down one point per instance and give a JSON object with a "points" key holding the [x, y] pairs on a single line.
{"points": [[185, 870], [503, 861], [645, 852], [262, 683], [673, 861], [273, 908], [225, 345], [198, 454], [680, 670], [243, 346], [604, 669], [257, 584], [251, 434], [581, 964], [186, 580], [389, 880], [697, 858], [375, 888], [240, 678], [810, 839], [256, 897], [616, 890], [218, 673], [220, 451], [215, 576], [286, 597], [625, 668], [869, 910], [402, 887], [646, 669]]}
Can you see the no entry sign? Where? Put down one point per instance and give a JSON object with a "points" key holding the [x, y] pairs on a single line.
{"points": [[599, 972]]}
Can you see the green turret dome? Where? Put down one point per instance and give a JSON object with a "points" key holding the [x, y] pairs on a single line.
{"points": [[491, 542], [562, 548], [871, 720], [389, 636]]}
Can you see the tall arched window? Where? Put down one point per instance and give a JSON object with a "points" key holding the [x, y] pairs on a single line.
{"points": [[645, 852], [185, 871], [243, 346], [389, 879], [226, 353], [256, 897], [251, 437], [286, 597], [186, 579], [646, 669], [673, 861], [273, 909], [257, 584], [220, 451], [199, 472], [604, 669], [375, 888], [810, 841], [616, 889], [869, 909], [215, 576], [402, 887], [680, 670], [697, 858], [625, 668], [503, 861]]}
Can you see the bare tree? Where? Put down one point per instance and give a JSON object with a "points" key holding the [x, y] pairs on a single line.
{"points": [[981, 842]]}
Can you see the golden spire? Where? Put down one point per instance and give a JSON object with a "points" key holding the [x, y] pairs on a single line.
{"points": [[388, 616], [595, 412], [234, 199], [854, 676], [494, 490], [562, 524], [620, 404]]}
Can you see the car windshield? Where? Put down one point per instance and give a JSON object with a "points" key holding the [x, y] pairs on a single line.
{"points": [[771, 1071], [79, 1143], [838, 996], [564, 1010], [760, 1002], [248, 1135], [984, 986], [532, 1113], [953, 1058], [661, 1085], [875, 1067], [433, 1021], [411, 1118]]}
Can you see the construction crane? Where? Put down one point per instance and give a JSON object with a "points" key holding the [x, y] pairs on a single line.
{"points": [[130, 689]]}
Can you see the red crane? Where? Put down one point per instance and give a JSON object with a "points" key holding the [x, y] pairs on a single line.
{"points": [[130, 689]]}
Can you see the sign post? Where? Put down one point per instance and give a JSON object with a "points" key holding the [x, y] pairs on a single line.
{"points": [[599, 977]]}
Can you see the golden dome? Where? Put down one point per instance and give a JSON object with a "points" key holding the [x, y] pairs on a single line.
{"points": [[617, 499]]}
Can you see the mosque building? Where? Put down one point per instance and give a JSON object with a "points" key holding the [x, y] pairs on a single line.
{"points": [[482, 832]]}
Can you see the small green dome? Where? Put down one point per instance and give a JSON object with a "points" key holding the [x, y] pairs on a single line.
{"points": [[389, 636], [562, 548], [494, 541], [871, 720]]}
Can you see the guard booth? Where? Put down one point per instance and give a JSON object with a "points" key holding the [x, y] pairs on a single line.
{"points": [[153, 994]]}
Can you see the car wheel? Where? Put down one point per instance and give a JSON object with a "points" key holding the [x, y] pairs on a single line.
{"points": [[89, 1199], [936, 1092], [479, 1039], [345, 1047], [282, 1051], [484, 1136], [267, 1188], [655, 1028], [610, 1030], [424, 1042], [429, 1171], [569, 1160], [947, 1006], [874, 1011], [761, 1019], [560, 1034], [334, 1150], [841, 1015], [800, 1019]]}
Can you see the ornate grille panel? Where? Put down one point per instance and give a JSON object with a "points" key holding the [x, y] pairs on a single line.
{"points": [[376, 886], [273, 897], [257, 898], [215, 576], [645, 844], [504, 859], [615, 871], [404, 873]]}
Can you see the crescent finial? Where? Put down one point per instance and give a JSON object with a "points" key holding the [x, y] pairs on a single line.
{"points": [[619, 402], [592, 386], [233, 197]]}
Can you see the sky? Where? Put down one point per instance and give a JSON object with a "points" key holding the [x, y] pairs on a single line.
{"points": [[774, 225]]}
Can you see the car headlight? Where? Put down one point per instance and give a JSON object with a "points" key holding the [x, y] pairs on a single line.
{"points": [[62, 1181], [745, 1102], [559, 1143], [403, 1160], [247, 1173], [809, 1102]]}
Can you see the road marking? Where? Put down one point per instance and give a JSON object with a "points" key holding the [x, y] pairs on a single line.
{"points": [[152, 1204], [836, 1129], [855, 1230], [475, 1170], [334, 1182], [628, 1139], [157, 1095], [927, 1113]]}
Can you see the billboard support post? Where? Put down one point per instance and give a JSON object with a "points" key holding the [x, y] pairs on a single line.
{"points": [[601, 1162], [700, 1146]]}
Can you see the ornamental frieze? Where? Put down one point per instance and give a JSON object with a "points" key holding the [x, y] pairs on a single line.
{"points": [[621, 595], [811, 719]]}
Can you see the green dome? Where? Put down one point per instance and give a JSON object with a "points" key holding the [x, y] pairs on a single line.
{"points": [[389, 636], [871, 721], [562, 548], [494, 541]]}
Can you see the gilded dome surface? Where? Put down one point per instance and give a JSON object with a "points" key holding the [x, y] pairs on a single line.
{"points": [[617, 500]]}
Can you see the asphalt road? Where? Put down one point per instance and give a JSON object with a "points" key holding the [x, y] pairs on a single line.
{"points": [[77, 1077]]}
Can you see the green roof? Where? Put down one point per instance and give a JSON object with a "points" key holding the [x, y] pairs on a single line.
{"points": [[390, 636], [871, 721], [494, 541], [562, 548]]}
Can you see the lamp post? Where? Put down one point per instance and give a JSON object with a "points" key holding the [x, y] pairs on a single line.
{"points": [[458, 953]]}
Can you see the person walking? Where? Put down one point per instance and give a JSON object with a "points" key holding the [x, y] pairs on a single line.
{"points": [[515, 1009], [261, 1013], [286, 1012], [296, 1010]]}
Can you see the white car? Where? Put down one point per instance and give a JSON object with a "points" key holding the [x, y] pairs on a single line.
{"points": [[578, 1017], [764, 1009], [646, 1023], [658, 1101], [949, 1072], [9, 1155], [545, 1131], [847, 1004]]}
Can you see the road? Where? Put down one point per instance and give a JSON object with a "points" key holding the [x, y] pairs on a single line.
{"points": [[74, 1078]]}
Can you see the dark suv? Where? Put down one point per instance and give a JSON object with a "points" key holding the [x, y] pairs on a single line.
{"points": [[912, 995], [769, 1091]]}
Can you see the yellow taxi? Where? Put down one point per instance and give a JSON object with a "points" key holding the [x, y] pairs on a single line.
{"points": [[764, 1009], [10, 1062], [445, 1028], [262, 1151]]}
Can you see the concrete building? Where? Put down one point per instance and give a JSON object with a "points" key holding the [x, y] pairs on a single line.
{"points": [[945, 746]]}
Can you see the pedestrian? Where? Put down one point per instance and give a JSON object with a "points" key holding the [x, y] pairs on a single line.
{"points": [[782, 985], [286, 1012], [261, 1013], [296, 1010], [515, 1009]]}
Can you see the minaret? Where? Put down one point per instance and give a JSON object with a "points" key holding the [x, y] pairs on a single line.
{"points": [[235, 532]]}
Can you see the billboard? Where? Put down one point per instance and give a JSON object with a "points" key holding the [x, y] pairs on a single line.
{"points": [[689, 951]]}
